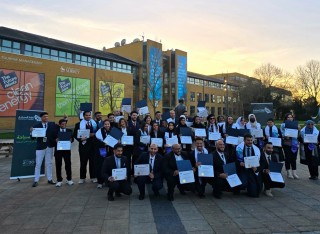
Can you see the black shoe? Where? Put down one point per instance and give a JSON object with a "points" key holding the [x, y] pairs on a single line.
{"points": [[35, 184], [156, 193], [201, 195], [118, 194], [51, 182], [141, 197], [110, 198], [182, 192], [218, 196], [170, 197], [313, 178]]}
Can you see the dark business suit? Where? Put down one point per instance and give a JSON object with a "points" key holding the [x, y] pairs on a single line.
{"points": [[200, 182], [264, 164], [118, 186], [86, 152], [169, 166], [219, 183], [157, 181], [66, 155]]}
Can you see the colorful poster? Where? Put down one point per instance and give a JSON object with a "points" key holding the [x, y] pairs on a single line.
{"points": [[20, 90], [155, 74], [182, 77], [110, 96], [24, 148], [70, 92]]}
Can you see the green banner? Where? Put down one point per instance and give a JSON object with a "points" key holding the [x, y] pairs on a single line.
{"points": [[70, 92], [24, 149]]}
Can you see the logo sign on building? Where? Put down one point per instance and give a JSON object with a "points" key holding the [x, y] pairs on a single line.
{"points": [[64, 85], [20, 90], [24, 148], [262, 111]]}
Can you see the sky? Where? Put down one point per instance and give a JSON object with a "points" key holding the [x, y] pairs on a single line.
{"points": [[219, 36]]}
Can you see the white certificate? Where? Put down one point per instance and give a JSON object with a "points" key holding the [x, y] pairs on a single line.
{"points": [[288, 132], [83, 133], [205, 171], [251, 161], [157, 141], [110, 141], [275, 141], [126, 108], [39, 132], [119, 174], [231, 140], [64, 145], [214, 136], [310, 138], [172, 141], [186, 177], [233, 180], [200, 132], [145, 139], [117, 118], [143, 110], [141, 169], [257, 133], [186, 140], [276, 177], [189, 124], [127, 140]]}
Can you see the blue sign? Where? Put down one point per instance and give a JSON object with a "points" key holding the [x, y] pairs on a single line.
{"points": [[155, 73], [182, 77]]}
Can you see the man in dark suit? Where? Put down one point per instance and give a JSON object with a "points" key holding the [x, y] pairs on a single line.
{"points": [[44, 149], [133, 123], [86, 146], [268, 156], [155, 177], [65, 154], [171, 172], [157, 118], [200, 183], [98, 119], [220, 158], [113, 162]]}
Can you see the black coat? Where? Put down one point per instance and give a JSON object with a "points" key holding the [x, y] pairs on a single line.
{"points": [[157, 166]]}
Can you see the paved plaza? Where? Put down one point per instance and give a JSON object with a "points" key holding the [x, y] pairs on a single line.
{"points": [[82, 208]]}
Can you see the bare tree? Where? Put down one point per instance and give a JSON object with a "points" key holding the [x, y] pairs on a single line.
{"points": [[110, 93], [154, 77], [308, 79], [271, 75]]}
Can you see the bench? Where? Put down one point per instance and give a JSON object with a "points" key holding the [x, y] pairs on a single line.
{"points": [[6, 147]]}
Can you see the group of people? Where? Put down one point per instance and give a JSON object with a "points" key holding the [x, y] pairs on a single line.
{"points": [[103, 158]]}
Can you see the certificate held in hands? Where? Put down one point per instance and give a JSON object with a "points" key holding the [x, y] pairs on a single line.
{"points": [[186, 134], [172, 141], [251, 161], [275, 141], [127, 140], [200, 132], [206, 167], [64, 141], [275, 172], [214, 136], [83, 133], [233, 179], [141, 170], [185, 172], [119, 174], [38, 132]]}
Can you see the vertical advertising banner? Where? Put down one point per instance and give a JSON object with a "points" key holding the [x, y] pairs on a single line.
{"points": [[70, 92], [155, 73], [20, 90], [262, 111], [110, 96], [24, 149], [182, 77]]}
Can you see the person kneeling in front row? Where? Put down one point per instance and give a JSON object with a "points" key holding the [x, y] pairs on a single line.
{"points": [[116, 161]]}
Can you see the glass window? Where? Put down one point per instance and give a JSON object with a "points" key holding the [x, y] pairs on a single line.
{"points": [[192, 110], [69, 55], [16, 45], [213, 98], [84, 58], [6, 43], [78, 57], [45, 51], [206, 97], [54, 52], [62, 54], [27, 47], [36, 49]]}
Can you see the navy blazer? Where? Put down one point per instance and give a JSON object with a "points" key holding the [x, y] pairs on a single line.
{"points": [[157, 166], [109, 163], [170, 163], [50, 134], [218, 163]]}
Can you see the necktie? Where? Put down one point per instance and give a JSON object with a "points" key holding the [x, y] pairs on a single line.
{"points": [[248, 151], [223, 158], [151, 164], [88, 125], [134, 124], [118, 163], [211, 128], [269, 159], [270, 131], [45, 125]]}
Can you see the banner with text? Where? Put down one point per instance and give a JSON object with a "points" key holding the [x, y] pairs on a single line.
{"points": [[24, 149], [20, 90], [262, 111]]}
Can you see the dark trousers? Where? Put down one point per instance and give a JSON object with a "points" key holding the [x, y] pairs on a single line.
{"points": [[251, 182], [312, 162], [98, 161], [201, 184], [157, 184], [87, 154], [290, 158], [173, 181], [268, 183], [221, 185], [120, 186], [66, 155]]}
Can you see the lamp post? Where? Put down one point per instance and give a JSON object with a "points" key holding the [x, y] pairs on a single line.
{"points": [[226, 95]]}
